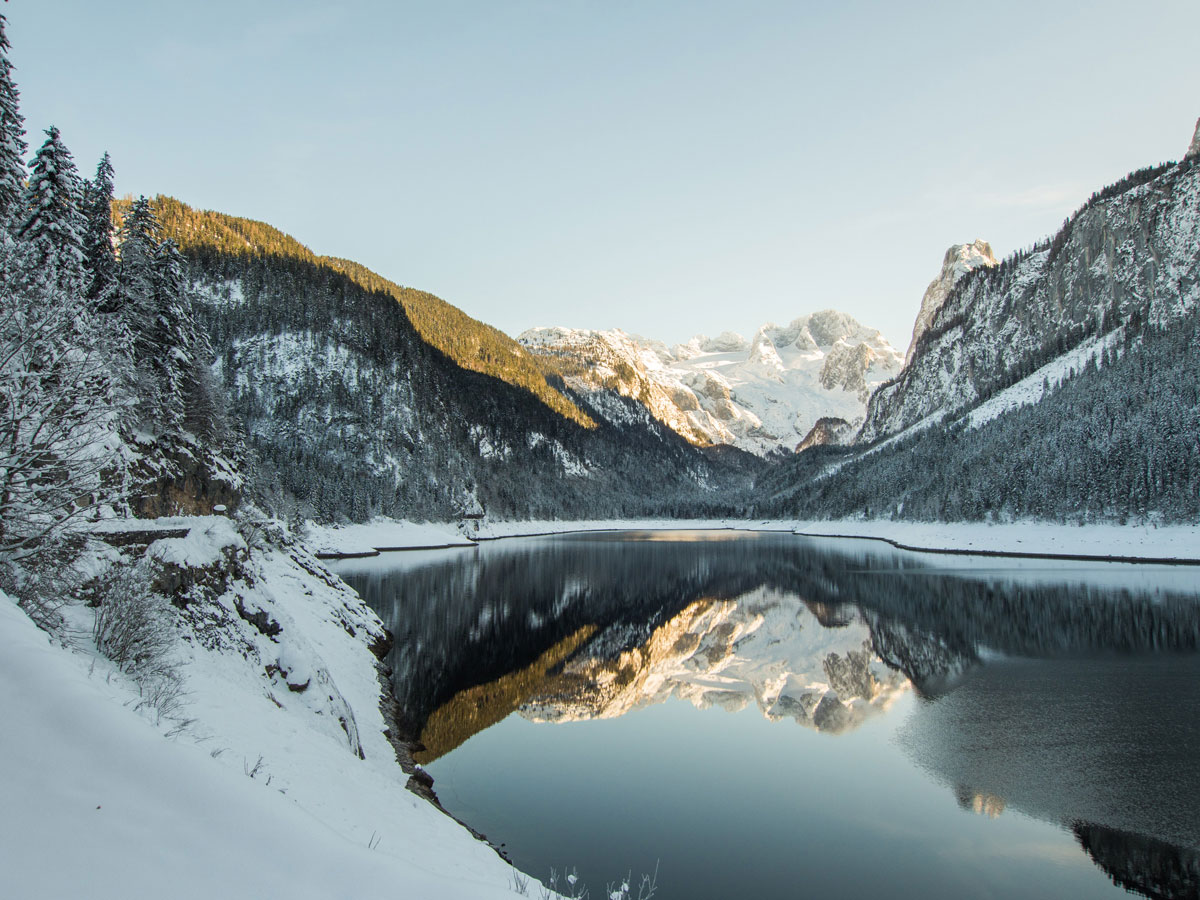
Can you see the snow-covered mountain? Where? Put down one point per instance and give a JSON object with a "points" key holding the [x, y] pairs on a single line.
{"points": [[1131, 253], [762, 395]]}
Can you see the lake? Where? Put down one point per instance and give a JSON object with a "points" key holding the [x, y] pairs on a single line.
{"points": [[770, 716]]}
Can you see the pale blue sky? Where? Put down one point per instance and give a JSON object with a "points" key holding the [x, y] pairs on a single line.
{"points": [[663, 167]]}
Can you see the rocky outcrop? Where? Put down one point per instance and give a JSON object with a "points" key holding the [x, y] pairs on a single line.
{"points": [[829, 430], [1194, 147], [958, 261], [176, 475]]}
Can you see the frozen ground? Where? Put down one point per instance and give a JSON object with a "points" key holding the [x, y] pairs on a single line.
{"points": [[1102, 541], [368, 538]]}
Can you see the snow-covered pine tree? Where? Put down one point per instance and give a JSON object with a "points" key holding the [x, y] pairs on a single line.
{"points": [[100, 258], [12, 139], [137, 280], [173, 336], [59, 404], [52, 225]]}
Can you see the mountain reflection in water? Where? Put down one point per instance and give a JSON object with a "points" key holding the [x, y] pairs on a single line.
{"points": [[1072, 696]]}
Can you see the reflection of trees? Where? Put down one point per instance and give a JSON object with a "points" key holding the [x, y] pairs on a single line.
{"points": [[480, 634], [472, 618], [1142, 864]]}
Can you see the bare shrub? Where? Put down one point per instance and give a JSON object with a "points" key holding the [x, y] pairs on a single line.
{"points": [[133, 628], [43, 585], [570, 888], [259, 531], [519, 882]]}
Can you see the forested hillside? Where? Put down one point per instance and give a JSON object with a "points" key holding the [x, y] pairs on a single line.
{"points": [[1131, 254], [349, 413], [469, 342], [1118, 441]]}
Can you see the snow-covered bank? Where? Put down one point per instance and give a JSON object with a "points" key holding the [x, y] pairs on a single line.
{"points": [[1163, 543], [276, 777], [369, 538]]}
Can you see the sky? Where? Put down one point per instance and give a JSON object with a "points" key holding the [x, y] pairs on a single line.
{"points": [[669, 168]]}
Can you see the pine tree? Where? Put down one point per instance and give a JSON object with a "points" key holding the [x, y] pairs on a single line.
{"points": [[136, 278], [53, 225], [100, 259], [12, 138], [172, 337], [58, 406]]}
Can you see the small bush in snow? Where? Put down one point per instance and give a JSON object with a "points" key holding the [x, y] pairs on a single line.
{"points": [[647, 887], [43, 585], [571, 889], [258, 531], [133, 628]]}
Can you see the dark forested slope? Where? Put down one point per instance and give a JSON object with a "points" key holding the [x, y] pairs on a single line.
{"points": [[350, 413], [472, 344]]}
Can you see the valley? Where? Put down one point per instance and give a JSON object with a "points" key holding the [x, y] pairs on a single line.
{"points": [[313, 584]]}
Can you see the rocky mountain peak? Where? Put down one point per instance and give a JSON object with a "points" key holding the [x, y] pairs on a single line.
{"points": [[958, 261], [725, 342], [1194, 148], [763, 352]]}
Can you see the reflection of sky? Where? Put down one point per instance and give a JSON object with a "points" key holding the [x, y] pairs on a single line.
{"points": [[736, 806]]}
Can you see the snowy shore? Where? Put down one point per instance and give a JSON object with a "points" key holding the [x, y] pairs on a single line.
{"points": [[275, 775], [262, 784], [1102, 542]]}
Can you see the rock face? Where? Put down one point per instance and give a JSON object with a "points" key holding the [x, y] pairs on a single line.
{"points": [[763, 395], [1194, 148], [828, 430], [959, 260], [1132, 253]]}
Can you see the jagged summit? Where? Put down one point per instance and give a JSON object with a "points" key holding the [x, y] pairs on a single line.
{"points": [[1194, 147], [958, 261], [763, 395]]}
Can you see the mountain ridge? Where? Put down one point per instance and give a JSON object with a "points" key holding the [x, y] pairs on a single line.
{"points": [[472, 344], [763, 395]]}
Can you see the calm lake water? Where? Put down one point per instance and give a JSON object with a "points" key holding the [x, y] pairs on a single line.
{"points": [[772, 716]]}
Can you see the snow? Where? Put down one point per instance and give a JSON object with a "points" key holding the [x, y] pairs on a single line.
{"points": [[369, 538], [1101, 541], [99, 803], [1180, 543], [759, 395], [1030, 390], [207, 540]]}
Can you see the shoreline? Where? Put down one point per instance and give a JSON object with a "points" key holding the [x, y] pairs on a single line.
{"points": [[1170, 545]]}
